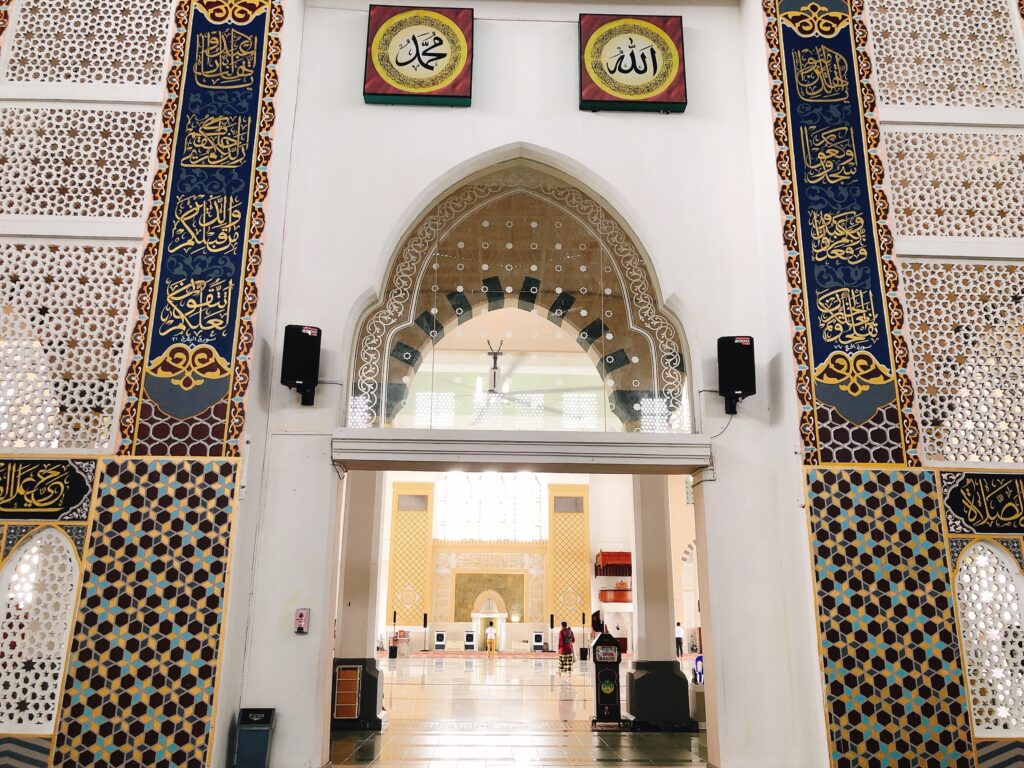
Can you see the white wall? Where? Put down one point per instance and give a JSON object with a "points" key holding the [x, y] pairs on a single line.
{"points": [[698, 189]]}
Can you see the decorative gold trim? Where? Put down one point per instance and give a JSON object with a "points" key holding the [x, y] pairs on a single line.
{"points": [[232, 11], [576, 490], [815, 20], [427, 575]]}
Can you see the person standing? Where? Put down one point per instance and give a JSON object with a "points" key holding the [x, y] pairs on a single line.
{"points": [[491, 634], [565, 643], [679, 640]]}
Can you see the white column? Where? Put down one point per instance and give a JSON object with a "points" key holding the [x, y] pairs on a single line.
{"points": [[355, 640], [360, 556], [652, 571]]}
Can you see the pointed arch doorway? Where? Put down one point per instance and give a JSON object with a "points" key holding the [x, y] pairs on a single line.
{"points": [[517, 240]]}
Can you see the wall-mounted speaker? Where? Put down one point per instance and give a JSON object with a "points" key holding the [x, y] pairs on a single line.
{"points": [[300, 363], [735, 370]]}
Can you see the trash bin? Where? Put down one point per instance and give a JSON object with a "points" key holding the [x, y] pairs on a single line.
{"points": [[252, 740]]}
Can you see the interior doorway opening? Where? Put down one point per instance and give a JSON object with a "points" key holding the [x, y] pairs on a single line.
{"points": [[459, 551]]}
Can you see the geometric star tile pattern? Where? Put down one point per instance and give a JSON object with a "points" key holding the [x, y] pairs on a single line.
{"points": [[894, 684], [143, 666]]}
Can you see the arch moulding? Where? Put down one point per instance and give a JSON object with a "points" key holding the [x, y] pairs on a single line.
{"points": [[523, 235]]}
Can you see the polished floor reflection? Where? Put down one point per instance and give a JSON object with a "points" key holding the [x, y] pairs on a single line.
{"points": [[457, 713]]}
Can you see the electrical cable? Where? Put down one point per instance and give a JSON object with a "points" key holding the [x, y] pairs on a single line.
{"points": [[724, 428]]}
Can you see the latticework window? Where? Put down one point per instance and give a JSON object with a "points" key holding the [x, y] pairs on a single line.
{"points": [[939, 53], [74, 162], [63, 320], [965, 324], [993, 639], [956, 184], [90, 41], [38, 587]]}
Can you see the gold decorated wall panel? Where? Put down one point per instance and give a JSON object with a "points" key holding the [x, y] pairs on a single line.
{"points": [[409, 571], [568, 552]]}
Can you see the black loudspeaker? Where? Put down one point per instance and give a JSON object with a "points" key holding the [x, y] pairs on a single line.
{"points": [[735, 370], [300, 363], [552, 621], [424, 621]]}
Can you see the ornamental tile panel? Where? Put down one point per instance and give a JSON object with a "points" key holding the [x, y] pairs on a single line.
{"points": [[145, 653], [894, 687], [851, 359], [189, 370]]}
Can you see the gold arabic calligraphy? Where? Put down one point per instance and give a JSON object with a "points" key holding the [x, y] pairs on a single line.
{"points": [[196, 306], [839, 235], [225, 58], [215, 141], [848, 316], [209, 223], [35, 487], [994, 502], [829, 154], [821, 74]]}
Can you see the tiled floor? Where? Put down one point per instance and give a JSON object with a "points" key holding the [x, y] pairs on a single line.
{"points": [[481, 713]]}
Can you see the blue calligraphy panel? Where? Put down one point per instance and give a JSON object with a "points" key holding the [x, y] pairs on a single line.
{"points": [[205, 226], [856, 398]]}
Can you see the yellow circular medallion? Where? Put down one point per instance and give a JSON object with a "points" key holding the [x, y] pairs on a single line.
{"points": [[631, 59], [419, 51]]}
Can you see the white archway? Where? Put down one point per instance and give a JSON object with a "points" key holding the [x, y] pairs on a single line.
{"points": [[557, 250]]}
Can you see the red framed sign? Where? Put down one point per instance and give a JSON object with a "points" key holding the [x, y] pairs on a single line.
{"points": [[632, 63], [419, 56]]}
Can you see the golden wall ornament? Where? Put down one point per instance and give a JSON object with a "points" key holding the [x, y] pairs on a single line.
{"points": [[815, 20], [854, 374], [232, 11]]}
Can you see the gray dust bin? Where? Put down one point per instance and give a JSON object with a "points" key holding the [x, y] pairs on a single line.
{"points": [[252, 740]]}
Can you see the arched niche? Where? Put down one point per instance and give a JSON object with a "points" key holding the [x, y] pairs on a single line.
{"points": [[523, 235], [489, 602], [38, 586], [989, 581]]}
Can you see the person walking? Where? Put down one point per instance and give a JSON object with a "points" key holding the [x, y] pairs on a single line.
{"points": [[491, 634], [565, 641], [679, 640]]}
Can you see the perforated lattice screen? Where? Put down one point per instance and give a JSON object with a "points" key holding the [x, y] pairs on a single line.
{"points": [[938, 53], [74, 162], [990, 622], [952, 184], [967, 339], [63, 320], [90, 41], [39, 584]]}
